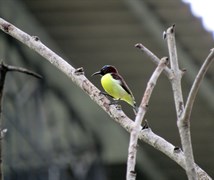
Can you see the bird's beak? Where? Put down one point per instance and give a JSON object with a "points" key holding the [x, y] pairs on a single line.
{"points": [[98, 72]]}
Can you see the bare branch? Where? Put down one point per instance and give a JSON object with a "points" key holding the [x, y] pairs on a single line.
{"points": [[34, 43], [154, 59], [23, 70], [183, 127], [132, 151], [196, 84], [20, 69], [177, 73], [80, 80]]}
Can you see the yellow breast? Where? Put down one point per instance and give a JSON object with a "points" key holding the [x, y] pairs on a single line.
{"points": [[113, 88]]}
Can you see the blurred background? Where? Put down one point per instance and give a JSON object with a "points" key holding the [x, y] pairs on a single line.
{"points": [[56, 132]]}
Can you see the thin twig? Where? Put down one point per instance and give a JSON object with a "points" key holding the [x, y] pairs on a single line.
{"points": [[132, 151], [23, 70], [154, 59], [196, 84], [183, 127], [80, 80]]}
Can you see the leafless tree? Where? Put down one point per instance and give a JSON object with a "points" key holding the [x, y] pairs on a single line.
{"points": [[184, 155]]}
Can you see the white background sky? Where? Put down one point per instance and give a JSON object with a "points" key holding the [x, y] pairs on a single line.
{"points": [[205, 10]]}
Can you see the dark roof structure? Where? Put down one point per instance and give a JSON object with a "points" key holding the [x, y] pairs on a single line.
{"points": [[54, 124]]}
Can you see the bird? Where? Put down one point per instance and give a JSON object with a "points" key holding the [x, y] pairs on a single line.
{"points": [[115, 86]]}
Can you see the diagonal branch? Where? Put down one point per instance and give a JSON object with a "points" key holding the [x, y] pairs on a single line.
{"points": [[154, 59], [132, 151], [196, 84], [77, 76]]}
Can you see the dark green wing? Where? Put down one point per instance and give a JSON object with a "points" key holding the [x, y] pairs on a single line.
{"points": [[122, 83]]}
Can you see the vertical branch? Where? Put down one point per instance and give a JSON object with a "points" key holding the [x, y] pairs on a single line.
{"points": [[132, 151], [183, 126], [3, 72], [177, 73]]}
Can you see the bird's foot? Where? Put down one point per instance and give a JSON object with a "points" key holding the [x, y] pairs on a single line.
{"points": [[115, 103], [118, 107]]}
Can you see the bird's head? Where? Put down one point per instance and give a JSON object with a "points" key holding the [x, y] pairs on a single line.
{"points": [[106, 69]]}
